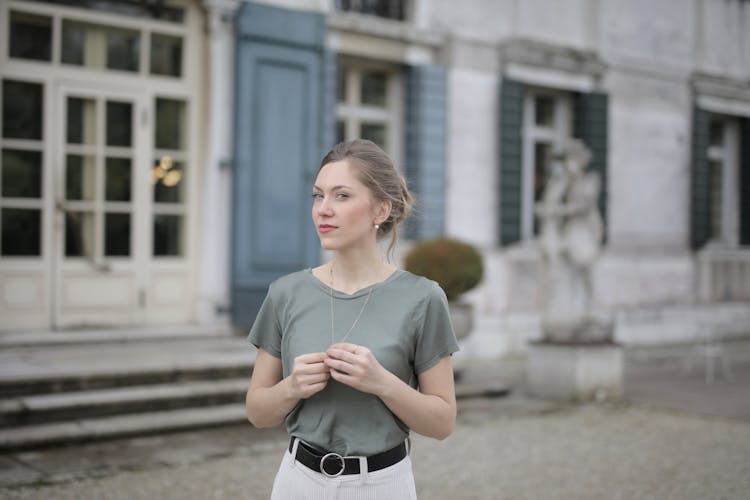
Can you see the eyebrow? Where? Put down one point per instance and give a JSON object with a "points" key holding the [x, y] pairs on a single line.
{"points": [[333, 188]]}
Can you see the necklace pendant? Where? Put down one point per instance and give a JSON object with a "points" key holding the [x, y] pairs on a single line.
{"points": [[333, 316]]}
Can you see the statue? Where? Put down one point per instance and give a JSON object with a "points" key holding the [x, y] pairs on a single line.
{"points": [[570, 236]]}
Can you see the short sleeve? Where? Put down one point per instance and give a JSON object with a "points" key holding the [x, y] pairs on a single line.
{"points": [[435, 337], [266, 332]]}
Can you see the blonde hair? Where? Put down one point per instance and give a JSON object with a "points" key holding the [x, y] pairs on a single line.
{"points": [[375, 169]]}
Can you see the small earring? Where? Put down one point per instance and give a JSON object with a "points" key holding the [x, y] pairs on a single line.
{"points": [[377, 226]]}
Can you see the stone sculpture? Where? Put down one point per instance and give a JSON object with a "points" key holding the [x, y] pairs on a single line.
{"points": [[570, 238]]}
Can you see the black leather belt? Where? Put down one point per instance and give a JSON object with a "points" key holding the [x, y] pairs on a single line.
{"points": [[333, 464]]}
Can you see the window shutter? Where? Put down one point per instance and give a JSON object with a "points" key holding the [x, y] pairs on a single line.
{"points": [[330, 72], [590, 125], [426, 117], [511, 161], [744, 195], [699, 209]]}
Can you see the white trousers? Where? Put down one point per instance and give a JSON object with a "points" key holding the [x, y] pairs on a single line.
{"points": [[294, 481]]}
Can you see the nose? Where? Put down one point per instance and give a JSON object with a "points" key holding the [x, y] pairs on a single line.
{"points": [[323, 206]]}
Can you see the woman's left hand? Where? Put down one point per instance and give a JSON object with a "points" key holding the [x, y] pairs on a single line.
{"points": [[355, 366]]}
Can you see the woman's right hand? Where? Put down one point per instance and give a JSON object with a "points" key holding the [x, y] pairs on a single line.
{"points": [[309, 375]]}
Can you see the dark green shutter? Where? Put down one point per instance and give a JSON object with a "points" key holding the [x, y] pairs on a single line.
{"points": [[699, 202], [744, 195], [426, 112], [511, 160], [590, 125]]}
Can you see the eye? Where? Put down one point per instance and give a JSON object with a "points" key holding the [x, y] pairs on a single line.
{"points": [[317, 196], [342, 196]]}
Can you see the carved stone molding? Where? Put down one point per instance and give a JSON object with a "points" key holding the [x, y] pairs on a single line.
{"points": [[551, 57]]}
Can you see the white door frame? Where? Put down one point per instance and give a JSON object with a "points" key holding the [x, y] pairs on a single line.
{"points": [[100, 289]]}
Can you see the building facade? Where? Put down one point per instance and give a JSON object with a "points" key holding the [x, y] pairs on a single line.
{"points": [[157, 156]]}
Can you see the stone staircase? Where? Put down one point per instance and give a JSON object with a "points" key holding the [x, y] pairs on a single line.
{"points": [[81, 387]]}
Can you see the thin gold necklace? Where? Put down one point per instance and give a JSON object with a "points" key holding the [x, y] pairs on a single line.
{"points": [[333, 317]]}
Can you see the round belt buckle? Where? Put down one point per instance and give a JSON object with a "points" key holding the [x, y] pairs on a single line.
{"points": [[323, 462]]}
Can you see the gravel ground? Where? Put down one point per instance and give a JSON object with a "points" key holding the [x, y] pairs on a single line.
{"points": [[595, 451]]}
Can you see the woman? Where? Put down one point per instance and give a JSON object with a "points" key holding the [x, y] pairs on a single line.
{"points": [[354, 353]]}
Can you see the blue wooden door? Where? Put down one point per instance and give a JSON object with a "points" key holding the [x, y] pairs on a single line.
{"points": [[278, 132]]}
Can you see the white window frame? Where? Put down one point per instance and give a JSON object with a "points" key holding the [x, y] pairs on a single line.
{"points": [[353, 113], [32, 145], [727, 154], [557, 134]]}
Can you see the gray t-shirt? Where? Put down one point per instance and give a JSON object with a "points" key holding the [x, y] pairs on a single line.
{"points": [[406, 325]]}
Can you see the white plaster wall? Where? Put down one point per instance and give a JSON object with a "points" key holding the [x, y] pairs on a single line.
{"points": [[642, 279], [491, 296], [723, 33], [681, 323], [567, 23], [648, 31], [649, 147], [471, 19], [471, 212]]}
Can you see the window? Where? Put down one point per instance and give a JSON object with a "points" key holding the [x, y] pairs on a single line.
{"points": [[30, 36], [95, 46], [390, 9], [369, 97], [21, 169], [101, 47], [547, 125], [168, 177], [98, 177], [723, 179], [166, 55], [135, 8]]}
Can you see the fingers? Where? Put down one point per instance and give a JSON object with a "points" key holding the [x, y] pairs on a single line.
{"points": [[345, 346], [308, 380], [340, 366], [310, 363], [306, 369], [310, 374], [307, 385], [348, 352], [341, 354], [344, 378], [313, 357]]}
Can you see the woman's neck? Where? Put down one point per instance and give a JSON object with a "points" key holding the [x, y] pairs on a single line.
{"points": [[352, 271]]}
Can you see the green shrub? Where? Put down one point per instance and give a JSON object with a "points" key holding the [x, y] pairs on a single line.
{"points": [[456, 266]]}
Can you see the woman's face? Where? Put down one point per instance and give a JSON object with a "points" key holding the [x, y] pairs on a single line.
{"points": [[343, 211]]}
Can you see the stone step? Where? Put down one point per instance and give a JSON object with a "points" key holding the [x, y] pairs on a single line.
{"points": [[44, 383], [113, 335], [76, 367], [73, 431], [152, 422], [44, 408]]}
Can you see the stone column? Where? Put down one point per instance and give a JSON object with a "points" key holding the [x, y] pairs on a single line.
{"points": [[215, 190]]}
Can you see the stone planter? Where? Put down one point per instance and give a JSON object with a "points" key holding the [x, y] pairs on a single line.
{"points": [[574, 371], [462, 318]]}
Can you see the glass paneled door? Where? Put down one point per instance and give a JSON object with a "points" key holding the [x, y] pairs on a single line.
{"points": [[101, 204]]}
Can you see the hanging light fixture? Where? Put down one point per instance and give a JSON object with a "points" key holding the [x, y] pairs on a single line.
{"points": [[163, 172]]}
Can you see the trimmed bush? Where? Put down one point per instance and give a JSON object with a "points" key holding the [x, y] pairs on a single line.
{"points": [[456, 266]]}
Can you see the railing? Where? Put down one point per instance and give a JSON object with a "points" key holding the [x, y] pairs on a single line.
{"points": [[724, 274]]}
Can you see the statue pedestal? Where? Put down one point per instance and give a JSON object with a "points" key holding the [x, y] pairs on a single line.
{"points": [[574, 371]]}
